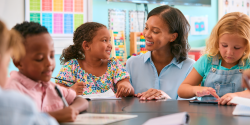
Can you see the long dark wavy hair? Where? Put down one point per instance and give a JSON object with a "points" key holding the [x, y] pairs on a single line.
{"points": [[177, 23], [85, 32]]}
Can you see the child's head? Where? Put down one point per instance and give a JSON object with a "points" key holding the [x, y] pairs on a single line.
{"points": [[10, 44], [167, 26], [230, 38], [90, 39], [38, 62]]}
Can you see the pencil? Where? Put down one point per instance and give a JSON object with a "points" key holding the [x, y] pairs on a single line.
{"points": [[63, 79]]}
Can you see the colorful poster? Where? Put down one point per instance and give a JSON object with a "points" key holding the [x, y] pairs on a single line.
{"points": [[35, 17], [68, 23], [78, 20], [58, 23], [199, 25], [46, 5], [68, 5], [136, 21], [60, 17], [34, 5], [47, 21], [228, 6], [78, 6], [58, 5], [117, 20]]}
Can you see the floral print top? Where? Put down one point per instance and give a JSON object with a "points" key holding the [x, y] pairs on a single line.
{"points": [[72, 71]]}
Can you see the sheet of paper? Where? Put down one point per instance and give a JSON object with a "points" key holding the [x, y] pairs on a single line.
{"points": [[241, 110], [243, 106], [173, 119], [97, 119], [106, 95], [240, 100]]}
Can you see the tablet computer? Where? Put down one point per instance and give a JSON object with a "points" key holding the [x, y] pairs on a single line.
{"points": [[205, 100]]}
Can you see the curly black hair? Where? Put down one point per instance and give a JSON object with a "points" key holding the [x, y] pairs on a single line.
{"points": [[177, 23], [30, 28], [85, 32]]}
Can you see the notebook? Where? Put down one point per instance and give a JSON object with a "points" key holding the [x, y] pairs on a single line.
{"points": [[173, 119], [98, 119], [106, 95]]}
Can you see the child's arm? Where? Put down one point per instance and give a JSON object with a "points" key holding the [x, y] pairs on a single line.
{"points": [[226, 99], [124, 88], [189, 87], [80, 104], [77, 87], [67, 114]]}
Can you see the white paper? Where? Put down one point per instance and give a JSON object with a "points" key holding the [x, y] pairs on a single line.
{"points": [[97, 119], [106, 95], [173, 119], [243, 107], [241, 100]]}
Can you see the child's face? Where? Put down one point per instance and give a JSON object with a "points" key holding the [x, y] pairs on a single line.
{"points": [[4, 62], [232, 48], [156, 33], [39, 62], [101, 46]]}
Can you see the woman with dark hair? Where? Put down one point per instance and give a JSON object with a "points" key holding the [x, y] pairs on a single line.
{"points": [[158, 73]]}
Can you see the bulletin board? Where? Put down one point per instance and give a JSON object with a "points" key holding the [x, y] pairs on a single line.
{"points": [[60, 17], [228, 6], [117, 20], [136, 21]]}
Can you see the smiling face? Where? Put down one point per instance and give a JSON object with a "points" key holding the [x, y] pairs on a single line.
{"points": [[156, 33], [232, 48], [39, 62], [100, 47]]}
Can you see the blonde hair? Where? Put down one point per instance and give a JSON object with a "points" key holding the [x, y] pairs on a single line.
{"points": [[230, 23], [10, 40]]}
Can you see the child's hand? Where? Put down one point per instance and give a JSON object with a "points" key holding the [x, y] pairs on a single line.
{"points": [[67, 114], [152, 94], [202, 91], [225, 100], [124, 88], [78, 87]]}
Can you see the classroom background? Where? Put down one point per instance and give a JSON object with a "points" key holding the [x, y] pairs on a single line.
{"points": [[15, 11]]}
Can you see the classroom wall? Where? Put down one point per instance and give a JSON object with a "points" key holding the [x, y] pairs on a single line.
{"points": [[12, 12], [194, 41]]}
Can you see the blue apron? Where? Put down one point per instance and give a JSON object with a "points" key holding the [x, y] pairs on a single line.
{"points": [[224, 81]]}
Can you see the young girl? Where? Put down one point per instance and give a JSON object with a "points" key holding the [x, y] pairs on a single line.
{"points": [[220, 70], [88, 62], [35, 70], [16, 108], [158, 73]]}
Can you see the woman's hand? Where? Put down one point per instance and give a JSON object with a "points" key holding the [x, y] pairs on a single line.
{"points": [[78, 87], [152, 94], [225, 100], [202, 91], [124, 88]]}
